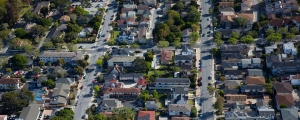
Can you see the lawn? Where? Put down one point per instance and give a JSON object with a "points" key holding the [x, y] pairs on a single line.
{"points": [[192, 92], [116, 33], [24, 10], [159, 104], [158, 72], [191, 102]]}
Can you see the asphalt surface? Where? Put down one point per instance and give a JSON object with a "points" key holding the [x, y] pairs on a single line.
{"points": [[206, 45], [84, 100]]}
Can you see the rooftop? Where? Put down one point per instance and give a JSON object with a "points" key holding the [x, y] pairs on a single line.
{"points": [[123, 58], [173, 80]]}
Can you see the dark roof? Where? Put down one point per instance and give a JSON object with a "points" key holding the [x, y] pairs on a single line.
{"points": [[183, 57], [187, 31], [260, 103], [272, 58], [41, 79], [255, 72], [109, 102], [231, 91], [39, 6], [234, 48], [233, 72], [232, 83], [185, 48], [290, 113], [258, 54], [120, 52], [173, 80], [228, 31], [179, 98], [59, 30], [266, 113], [229, 64], [135, 75], [227, 9], [142, 7], [123, 26], [254, 87], [226, 56], [283, 87], [285, 64], [181, 90]]}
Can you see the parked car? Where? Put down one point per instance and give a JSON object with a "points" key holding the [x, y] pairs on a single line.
{"points": [[81, 87]]}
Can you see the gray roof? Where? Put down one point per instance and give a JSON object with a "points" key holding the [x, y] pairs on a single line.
{"points": [[232, 83], [266, 112], [254, 87], [40, 5], [179, 98], [233, 72], [151, 104], [187, 31], [181, 90], [59, 54], [142, 32], [290, 114], [173, 80], [123, 58], [231, 91], [41, 79], [285, 64], [234, 48], [260, 103], [272, 58], [255, 72], [68, 81], [31, 112], [226, 56], [134, 75], [183, 57], [59, 30], [179, 107], [61, 90], [109, 102], [185, 48], [229, 64]]}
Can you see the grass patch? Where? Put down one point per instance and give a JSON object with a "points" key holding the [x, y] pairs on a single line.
{"points": [[114, 36], [192, 92], [157, 72], [191, 102], [157, 112], [24, 10], [159, 104]]}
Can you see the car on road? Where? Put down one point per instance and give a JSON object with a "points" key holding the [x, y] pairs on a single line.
{"points": [[111, 18], [80, 47], [123, 101], [200, 69], [81, 87], [199, 84], [203, 35], [209, 77], [201, 115], [103, 35]]}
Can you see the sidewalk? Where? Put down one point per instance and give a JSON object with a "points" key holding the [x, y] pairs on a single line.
{"points": [[198, 93]]}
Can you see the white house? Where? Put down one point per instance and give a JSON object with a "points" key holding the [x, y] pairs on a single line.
{"points": [[169, 83], [85, 32], [109, 104], [10, 83], [289, 48], [69, 57], [233, 74], [186, 50], [179, 109], [295, 79], [125, 61], [126, 36], [251, 63], [131, 14]]}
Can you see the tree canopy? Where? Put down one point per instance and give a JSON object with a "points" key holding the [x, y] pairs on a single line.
{"points": [[274, 37], [19, 60], [126, 113], [140, 65], [16, 100], [248, 39], [163, 44]]}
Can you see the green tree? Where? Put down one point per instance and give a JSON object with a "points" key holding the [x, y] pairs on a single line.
{"points": [[72, 47], [38, 30], [8, 70], [253, 33], [218, 35], [283, 106], [126, 113], [86, 57], [99, 61], [163, 44], [66, 113], [60, 62], [270, 31], [294, 30], [148, 56], [15, 100], [12, 12], [222, 78], [195, 27], [194, 112], [178, 6], [48, 44], [274, 37], [193, 38], [290, 36], [45, 22], [44, 10], [144, 95], [96, 88], [262, 17], [82, 63], [210, 10], [36, 70], [282, 30], [219, 103], [49, 83], [19, 60], [73, 28], [41, 63], [214, 51], [155, 94], [140, 65], [248, 39], [23, 80], [63, 5], [28, 48], [234, 35], [134, 46], [80, 11], [241, 21], [78, 70], [219, 42], [233, 41], [211, 89], [256, 26], [21, 33], [99, 116]]}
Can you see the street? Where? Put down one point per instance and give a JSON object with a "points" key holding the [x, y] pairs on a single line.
{"points": [[206, 45]]}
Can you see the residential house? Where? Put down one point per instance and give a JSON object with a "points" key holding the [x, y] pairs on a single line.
{"points": [[151, 105], [180, 118], [141, 9], [284, 99], [186, 50], [59, 31], [84, 19], [169, 83], [166, 56], [147, 14], [120, 52], [40, 5], [60, 94], [129, 4], [228, 16], [255, 72], [243, 48], [282, 88], [180, 99], [284, 7], [227, 11], [231, 84], [142, 34], [116, 69], [255, 80], [28, 27], [253, 89], [289, 48], [130, 21], [239, 115], [179, 109], [249, 17], [122, 93], [226, 4], [40, 80], [64, 19], [68, 81], [231, 98], [179, 95], [167, 6], [113, 83], [31, 112], [277, 23], [144, 20], [285, 67], [296, 21], [295, 79], [289, 114], [125, 61], [131, 14], [68, 57], [146, 115], [271, 59], [150, 3], [233, 74], [142, 83], [270, 49], [231, 91], [121, 22], [246, 5], [85, 32], [264, 110], [10, 83], [3, 117], [186, 34], [251, 63], [127, 36], [130, 77], [229, 65], [183, 60], [109, 104]]}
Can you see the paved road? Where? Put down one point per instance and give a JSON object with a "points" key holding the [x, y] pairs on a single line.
{"points": [[205, 45], [85, 101]]}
